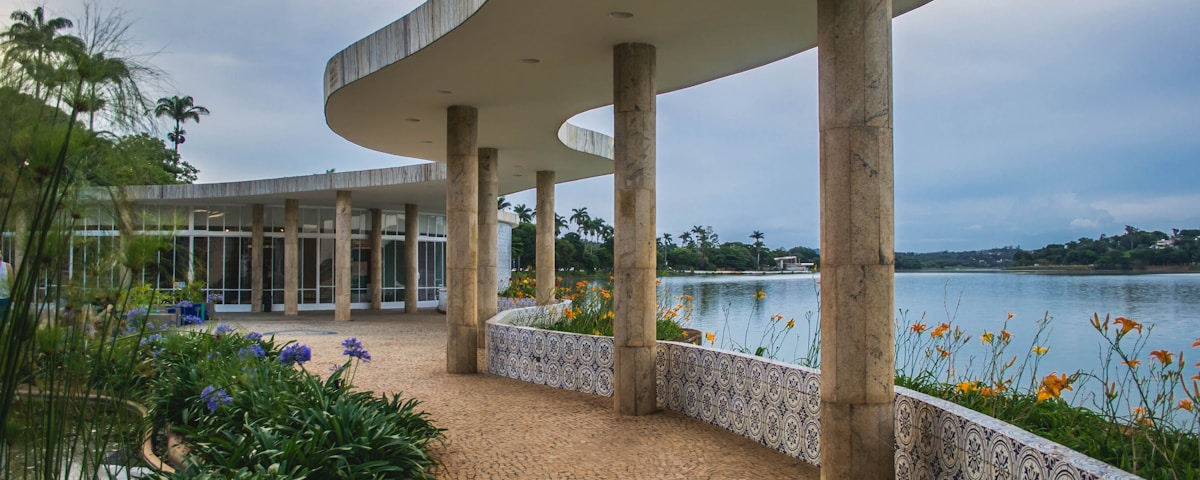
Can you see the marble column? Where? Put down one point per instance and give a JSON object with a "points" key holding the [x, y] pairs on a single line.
{"points": [[635, 256], [341, 257], [256, 257], [462, 238], [291, 257], [545, 237], [411, 234], [857, 229], [376, 268], [489, 189]]}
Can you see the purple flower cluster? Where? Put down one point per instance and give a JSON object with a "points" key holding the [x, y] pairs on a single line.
{"points": [[215, 397], [183, 304], [135, 314], [150, 340], [215, 298], [254, 336], [354, 349], [223, 330], [295, 353], [255, 351], [190, 320]]}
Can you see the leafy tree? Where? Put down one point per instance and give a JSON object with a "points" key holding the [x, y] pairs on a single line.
{"points": [[137, 160], [180, 109]]}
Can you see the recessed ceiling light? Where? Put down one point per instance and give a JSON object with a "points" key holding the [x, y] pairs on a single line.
{"points": [[516, 175], [445, 92], [530, 60], [426, 141], [412, 120], [620, 14]]}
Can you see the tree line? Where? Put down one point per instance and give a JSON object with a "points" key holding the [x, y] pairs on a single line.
{"points": [[1133, 248], [585, 243]]}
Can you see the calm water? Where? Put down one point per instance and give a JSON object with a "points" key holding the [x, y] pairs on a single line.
{"points": [[975, 301]]}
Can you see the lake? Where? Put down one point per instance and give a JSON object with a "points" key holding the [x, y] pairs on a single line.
{"points": [[974, 301]]}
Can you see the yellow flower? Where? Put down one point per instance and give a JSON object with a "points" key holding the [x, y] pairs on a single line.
{"points": [[760, 295], [595, 332], [986, 391], [1186, 404], [986, 338], [966, 387], [1164, 357], [710, 337], [791, 323], [570, 313], [1040, 350]]}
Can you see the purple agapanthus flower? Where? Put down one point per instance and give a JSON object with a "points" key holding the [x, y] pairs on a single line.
{"points": [[215, 397], [191, 320], [135, 313], [255, 351], [149, 340], [254, 336], [223, 330], [354, 349], [295, 353], [183, 304]]}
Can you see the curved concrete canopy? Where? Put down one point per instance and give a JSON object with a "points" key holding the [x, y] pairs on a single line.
{"points": [[529, 65]]}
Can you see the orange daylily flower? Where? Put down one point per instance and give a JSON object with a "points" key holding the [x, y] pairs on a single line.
{"points": [[1127, 324], [1139, 416], [710, 337], [1005, 336], [943, 352], [1163, 356], [917, 328], [1132, 363], [966, 387], [1186, 404], [1196, 343], [1053, 385], [1010, 315], [940, 330]]}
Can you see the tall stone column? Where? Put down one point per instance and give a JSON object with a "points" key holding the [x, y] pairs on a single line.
{"points": [[635, 257], [376, 268], [462, 238], [291, 257], [489, 189], [411, 234], [857, 228], [341, 257], [256, 257], [545, 238]]}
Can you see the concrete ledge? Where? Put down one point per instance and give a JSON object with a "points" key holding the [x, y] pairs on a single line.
{"points": [[778, 405]]}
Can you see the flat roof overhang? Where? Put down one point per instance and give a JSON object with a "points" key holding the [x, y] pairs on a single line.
{"points": [[529, 65]]}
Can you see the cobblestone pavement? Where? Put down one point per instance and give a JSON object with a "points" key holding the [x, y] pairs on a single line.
{"points": [[502, 428]]}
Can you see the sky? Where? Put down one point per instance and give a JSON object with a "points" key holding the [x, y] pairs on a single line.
{"points": [[1016, 122]]}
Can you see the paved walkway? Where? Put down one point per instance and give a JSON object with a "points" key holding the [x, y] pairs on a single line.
{"points": [[503, 428]]}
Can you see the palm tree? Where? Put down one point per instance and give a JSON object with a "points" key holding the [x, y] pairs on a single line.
{"points": [[667, 239], [181, 109], [686, 238], [560, 224], [580, 217], [31, 42], [758, 244], [525, 214], [502, 203]]}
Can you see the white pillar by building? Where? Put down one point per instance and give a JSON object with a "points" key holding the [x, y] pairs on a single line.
{"points": [[635, 256], [857, 230], [291, 257], [341, 257], [545, 237], [256, 257], [462, 238], [376, 259], [411, 215], [488, 218]]}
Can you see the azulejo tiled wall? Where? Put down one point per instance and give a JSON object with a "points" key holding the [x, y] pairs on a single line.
{"points": [[778, 405]]}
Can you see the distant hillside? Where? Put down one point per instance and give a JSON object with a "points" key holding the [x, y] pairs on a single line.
{"points": [[992, 258]]}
